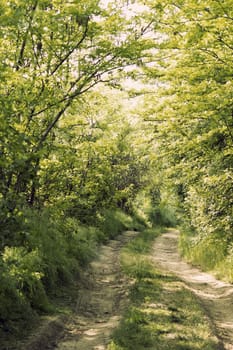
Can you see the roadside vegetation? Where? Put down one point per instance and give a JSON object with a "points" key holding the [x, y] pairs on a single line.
{"points": [[41, 280], [163, 313], [212, 253], [191, 113]]}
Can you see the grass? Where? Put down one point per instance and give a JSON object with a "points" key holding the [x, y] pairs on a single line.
{"points": [[163, 314], [213, 253], [41, 278]]}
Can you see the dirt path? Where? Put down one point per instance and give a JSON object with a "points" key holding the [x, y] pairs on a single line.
{"points": [[216, 296], [100, 303]]}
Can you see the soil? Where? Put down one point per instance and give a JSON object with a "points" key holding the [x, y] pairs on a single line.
{"points": [[101, 300], [216, 297]]}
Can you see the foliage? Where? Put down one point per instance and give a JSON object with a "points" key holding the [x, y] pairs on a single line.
{"points": [[52, 54], [67, 167], [51, 252], [13, 306], [190, 113], [163, 215], [207, 252], [26, 271], [155, 210], [113, 222]]}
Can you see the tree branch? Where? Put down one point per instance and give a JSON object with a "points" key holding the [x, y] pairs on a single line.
{"points": [[51, 126], [69, 53], [24, 43]]}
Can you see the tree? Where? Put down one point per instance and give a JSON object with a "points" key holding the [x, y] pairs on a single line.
{"points": [[52, 53], [193, 109], [92, 164]]}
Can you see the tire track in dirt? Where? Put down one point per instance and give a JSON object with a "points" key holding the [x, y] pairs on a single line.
{"points": [[216, 296], [100, 303]]}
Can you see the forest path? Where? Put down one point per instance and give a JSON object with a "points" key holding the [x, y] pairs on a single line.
{"points": [[215, 296], [100, 302]]}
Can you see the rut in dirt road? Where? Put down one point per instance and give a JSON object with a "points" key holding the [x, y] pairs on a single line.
{"points": [[216, 296], [101, 303]]}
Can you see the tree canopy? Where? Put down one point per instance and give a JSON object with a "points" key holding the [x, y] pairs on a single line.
{"points": [[192, 107]]}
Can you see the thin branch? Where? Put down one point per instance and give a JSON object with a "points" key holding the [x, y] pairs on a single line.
{"points": [[24, 43], [144, 29], [226, 44], [68, 95], [51, 126], [69, 53], [213, 54], [224, 9]]}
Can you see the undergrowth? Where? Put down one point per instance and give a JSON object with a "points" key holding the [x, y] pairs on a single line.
{"points": [[212, 252], [48, 256], [163, 314]]}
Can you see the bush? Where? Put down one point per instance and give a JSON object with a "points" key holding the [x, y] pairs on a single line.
{"points": [[13, 307], [114, 222], [208, 251], [47, 233], [82, 241], [48, 251], [26, 270], [162, 215]]}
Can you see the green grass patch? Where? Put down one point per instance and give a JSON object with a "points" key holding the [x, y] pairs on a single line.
{"points": [[211, 253], [206, 252], [163, 314]]}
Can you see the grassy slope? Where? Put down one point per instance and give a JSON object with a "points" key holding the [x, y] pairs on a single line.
{"points": [[162, 314], [64, 248], [212, 253]]}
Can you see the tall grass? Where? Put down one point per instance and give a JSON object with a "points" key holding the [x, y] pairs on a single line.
{"points": [[48, 252], [213, 252]]}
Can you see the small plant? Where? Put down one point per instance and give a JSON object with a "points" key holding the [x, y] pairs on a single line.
{"points": [[14, 307]]}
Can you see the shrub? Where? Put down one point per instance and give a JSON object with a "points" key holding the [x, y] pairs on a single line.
{"points": [[114, 222], [162, 215], [47, 252], [207, 251], [13, 306], [26, 270], [81, 240]]}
